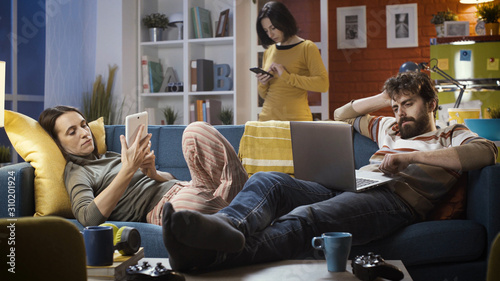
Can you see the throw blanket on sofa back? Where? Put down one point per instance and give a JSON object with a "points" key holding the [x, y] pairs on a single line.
{"points": [[266, 146]]}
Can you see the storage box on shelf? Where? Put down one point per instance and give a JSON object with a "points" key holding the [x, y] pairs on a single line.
{"points": [[177, 55]]}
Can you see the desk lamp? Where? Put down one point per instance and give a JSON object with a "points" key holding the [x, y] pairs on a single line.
{"points": [[436, 69], [412, 66], [177, 20]]}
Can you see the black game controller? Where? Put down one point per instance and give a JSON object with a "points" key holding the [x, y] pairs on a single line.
{"points": [[147, 272], [368, 268]]}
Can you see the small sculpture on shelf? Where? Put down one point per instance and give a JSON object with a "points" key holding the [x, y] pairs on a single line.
{"points": [[156, 23]]}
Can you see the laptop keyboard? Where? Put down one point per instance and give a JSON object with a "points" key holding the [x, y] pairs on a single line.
{"points": [[360, 182]]}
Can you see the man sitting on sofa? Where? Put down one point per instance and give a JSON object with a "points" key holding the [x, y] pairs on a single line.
{"points": [[275, 216]]}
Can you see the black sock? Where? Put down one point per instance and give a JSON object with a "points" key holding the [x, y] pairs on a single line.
{"points": [[209, 232], [183, 257]]}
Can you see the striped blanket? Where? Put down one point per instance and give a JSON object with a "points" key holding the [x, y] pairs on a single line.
{"points": [[266, 146]]}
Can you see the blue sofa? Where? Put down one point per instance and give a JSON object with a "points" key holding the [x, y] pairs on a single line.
{"points": [[431, 250]]}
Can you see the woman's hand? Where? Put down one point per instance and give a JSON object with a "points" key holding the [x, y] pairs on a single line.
{"points": [[263, 78], [277, 68], [148, 168], [133, 156]]}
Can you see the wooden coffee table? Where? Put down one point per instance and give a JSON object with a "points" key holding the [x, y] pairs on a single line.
{"points": [[307, 270]]}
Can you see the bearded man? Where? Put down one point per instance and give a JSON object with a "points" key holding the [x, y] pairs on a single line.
{"points": [[275, 216]]}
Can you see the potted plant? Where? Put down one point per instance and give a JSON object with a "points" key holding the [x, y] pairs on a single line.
{"points": [[226, 116], [156, 23], [100, 102], [170, 115], [5, 156], [489, 13], [439, 19]]}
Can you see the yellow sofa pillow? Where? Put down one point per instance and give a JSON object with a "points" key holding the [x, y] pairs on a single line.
{"points": [[35, 146]]}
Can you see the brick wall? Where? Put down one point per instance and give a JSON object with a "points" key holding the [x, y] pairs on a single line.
{"points": [[357, 73]]}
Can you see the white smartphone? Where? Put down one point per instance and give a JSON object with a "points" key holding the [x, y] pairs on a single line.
{"points": [[132, 123]]}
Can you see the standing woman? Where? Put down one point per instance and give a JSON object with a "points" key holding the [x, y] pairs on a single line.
{"points": [[295, 63]]}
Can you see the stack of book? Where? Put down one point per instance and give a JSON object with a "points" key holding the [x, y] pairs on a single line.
{"points": [[206, 110], [202, 75], [116, 271], [202, 23], [152, 75]]}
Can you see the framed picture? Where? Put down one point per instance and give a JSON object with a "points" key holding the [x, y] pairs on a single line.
{"points": [[222, 25], [351, 27], [402, 28], [456, 28]]}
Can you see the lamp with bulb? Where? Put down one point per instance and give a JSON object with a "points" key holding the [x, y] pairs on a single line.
{"points": [[177, 20]]}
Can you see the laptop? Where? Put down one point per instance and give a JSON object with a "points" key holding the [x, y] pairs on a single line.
{"points": [[324, 153]]}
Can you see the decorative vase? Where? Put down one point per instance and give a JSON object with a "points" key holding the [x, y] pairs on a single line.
{"points": [[155, 34], [440, 30], [491, 28]]}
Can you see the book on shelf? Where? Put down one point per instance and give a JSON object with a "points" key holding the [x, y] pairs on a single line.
{"points": [[155, 74], [204, 75], [193, 75], [192, 112], [199, 110], [206, 110], [116, 271], [213, 109], [194, 17], [145, 75], [202, 22]]}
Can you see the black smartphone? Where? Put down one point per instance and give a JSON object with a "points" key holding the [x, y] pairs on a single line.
{"points": [[259, 70]]}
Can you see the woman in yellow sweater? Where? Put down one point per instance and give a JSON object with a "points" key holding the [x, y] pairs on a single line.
{"points": [[295, 63]]}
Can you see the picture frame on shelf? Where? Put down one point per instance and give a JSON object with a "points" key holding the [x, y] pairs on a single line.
{"points": [[351, 27], [402, 25], [222, 25], [456, 28]]}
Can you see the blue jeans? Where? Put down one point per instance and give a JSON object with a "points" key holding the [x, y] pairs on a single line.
{"points": [[279, 215]]}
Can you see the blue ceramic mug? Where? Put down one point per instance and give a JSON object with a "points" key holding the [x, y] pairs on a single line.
{"points": [[336, 246], [99, 245]]}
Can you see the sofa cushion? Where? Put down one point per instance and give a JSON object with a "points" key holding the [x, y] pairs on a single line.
{"points": [[452, 205], [35, 146], [445, 241]]}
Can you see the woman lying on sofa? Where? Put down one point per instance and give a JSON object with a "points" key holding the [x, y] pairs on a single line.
{"points": [[127, 186]]}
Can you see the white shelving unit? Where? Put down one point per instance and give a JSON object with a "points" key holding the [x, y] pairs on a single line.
{"points": [[176, 53]]}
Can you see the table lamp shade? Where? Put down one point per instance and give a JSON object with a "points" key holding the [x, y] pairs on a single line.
{"points": [[2, 92]]}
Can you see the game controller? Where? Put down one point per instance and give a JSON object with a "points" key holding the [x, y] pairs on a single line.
{"points": [[371, 266], [147, 272]]}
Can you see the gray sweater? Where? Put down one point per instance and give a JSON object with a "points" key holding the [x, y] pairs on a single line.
{"points": [[86, 178]]}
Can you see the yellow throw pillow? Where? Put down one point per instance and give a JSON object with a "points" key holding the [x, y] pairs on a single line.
{"points": [[97, 128], [35, 146]]}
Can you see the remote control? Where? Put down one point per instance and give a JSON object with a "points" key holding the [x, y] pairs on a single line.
{"points": [[146, 272], [369, 267]]}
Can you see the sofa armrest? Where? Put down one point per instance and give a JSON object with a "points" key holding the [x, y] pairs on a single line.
{"points": [[17, 190], [482, 199]]}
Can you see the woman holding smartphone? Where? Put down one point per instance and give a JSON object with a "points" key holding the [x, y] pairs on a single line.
{"points": [[127, 186], [295, 63]]}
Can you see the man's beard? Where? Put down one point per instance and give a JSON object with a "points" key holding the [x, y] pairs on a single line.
{"points": [[419, 126]]}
